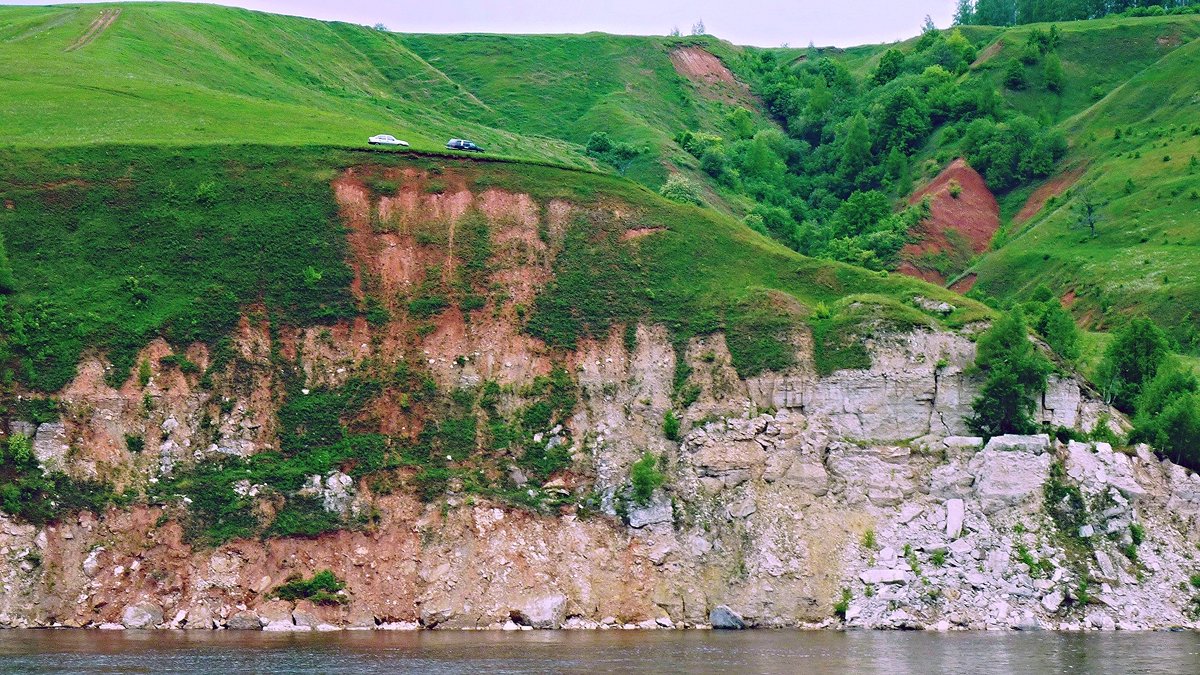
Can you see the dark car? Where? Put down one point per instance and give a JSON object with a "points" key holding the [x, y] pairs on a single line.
{"points": [[460, 144]]}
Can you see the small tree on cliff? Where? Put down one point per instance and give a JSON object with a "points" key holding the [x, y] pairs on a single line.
{"points": [[1016, 375]]}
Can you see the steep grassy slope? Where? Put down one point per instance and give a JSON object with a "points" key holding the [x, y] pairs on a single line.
{"points": [[112, 246], [1133, 148]]}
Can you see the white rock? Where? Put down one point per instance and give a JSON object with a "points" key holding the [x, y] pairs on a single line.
{"points": [[882, 576], [955, 513]]}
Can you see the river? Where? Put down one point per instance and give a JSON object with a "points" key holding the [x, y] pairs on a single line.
{"points": [[61, 651]]}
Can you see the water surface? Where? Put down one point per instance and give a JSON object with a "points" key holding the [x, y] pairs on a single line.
{"points": [[53, 651]]}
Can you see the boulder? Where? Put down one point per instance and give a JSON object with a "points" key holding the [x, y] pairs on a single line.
{"points": [[244, 621], [955, 512], [658, 511], [808, 476], [547, 611], [1052, 601], [1035, 445], [724, 618], [142, 615], [882, 575], [1008, 477]]}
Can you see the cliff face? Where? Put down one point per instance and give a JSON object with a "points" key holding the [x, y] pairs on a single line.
{"points": [[783, 489]]}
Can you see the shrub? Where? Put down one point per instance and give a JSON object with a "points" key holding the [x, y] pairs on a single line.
{"points": [[843, 604], [1016, 373], [135, 444], [8, 283], [868, 540], [671, 426], [646, 478], [955, 189], [1168, 416], [679, 189], [1014, 75], [143, 373], [322, 588]]}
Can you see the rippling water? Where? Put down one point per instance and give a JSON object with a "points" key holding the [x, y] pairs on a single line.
{"points": [[47, 651]]}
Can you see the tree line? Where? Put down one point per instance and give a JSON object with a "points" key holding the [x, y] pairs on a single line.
{"points": [[1014, 12]]}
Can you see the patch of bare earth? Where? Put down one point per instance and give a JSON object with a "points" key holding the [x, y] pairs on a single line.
{"points": [[959, 226], [1051, 188], [95, 29], [710, 75], [987, 54], [965, 284]]}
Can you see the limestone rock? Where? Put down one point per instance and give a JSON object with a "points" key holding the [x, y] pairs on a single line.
{"points": [[244, 620], [1035, 445], [658, 511], [142, 615], [547, 611], [724, 618], [1009, 472], [882, 576], [955, 512]]}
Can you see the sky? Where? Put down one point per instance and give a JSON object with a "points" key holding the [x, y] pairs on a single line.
{"points": [[766, 23]]}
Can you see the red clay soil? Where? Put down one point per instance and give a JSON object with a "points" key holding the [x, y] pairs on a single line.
{"points": [[713, 78], [1069, 298], [1051, 188], [965, 284], [974, 215]]}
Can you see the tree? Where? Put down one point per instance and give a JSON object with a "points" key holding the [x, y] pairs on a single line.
{"points": [[380, 26], [1168, 416], [1058, 328], [1131, 360], [675, 32], [1054, 74], [964, 14], [856, 148], [698, 28], [1087, 215], [1016, 375], [890, 65]]}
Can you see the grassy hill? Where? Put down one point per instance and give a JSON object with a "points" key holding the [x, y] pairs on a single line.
{"points": [[1129, 110], [184, 74]]}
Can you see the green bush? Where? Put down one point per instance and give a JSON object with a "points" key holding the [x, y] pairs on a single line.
{"points": [[323, 588], [1016, 374], [679, 188], [671, 426], [8, 282], [646, 478]]}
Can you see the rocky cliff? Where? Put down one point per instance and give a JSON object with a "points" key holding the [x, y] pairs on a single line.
{"points": [[790, 497]]}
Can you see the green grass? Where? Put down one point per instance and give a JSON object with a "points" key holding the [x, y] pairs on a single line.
{"points": [[188, 74], [1143, 260]]}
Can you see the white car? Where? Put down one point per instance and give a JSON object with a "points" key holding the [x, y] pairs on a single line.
{"points": [[384, 139]]}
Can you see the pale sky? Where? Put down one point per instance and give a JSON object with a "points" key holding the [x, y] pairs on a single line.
{"points": [[767, 23]]}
